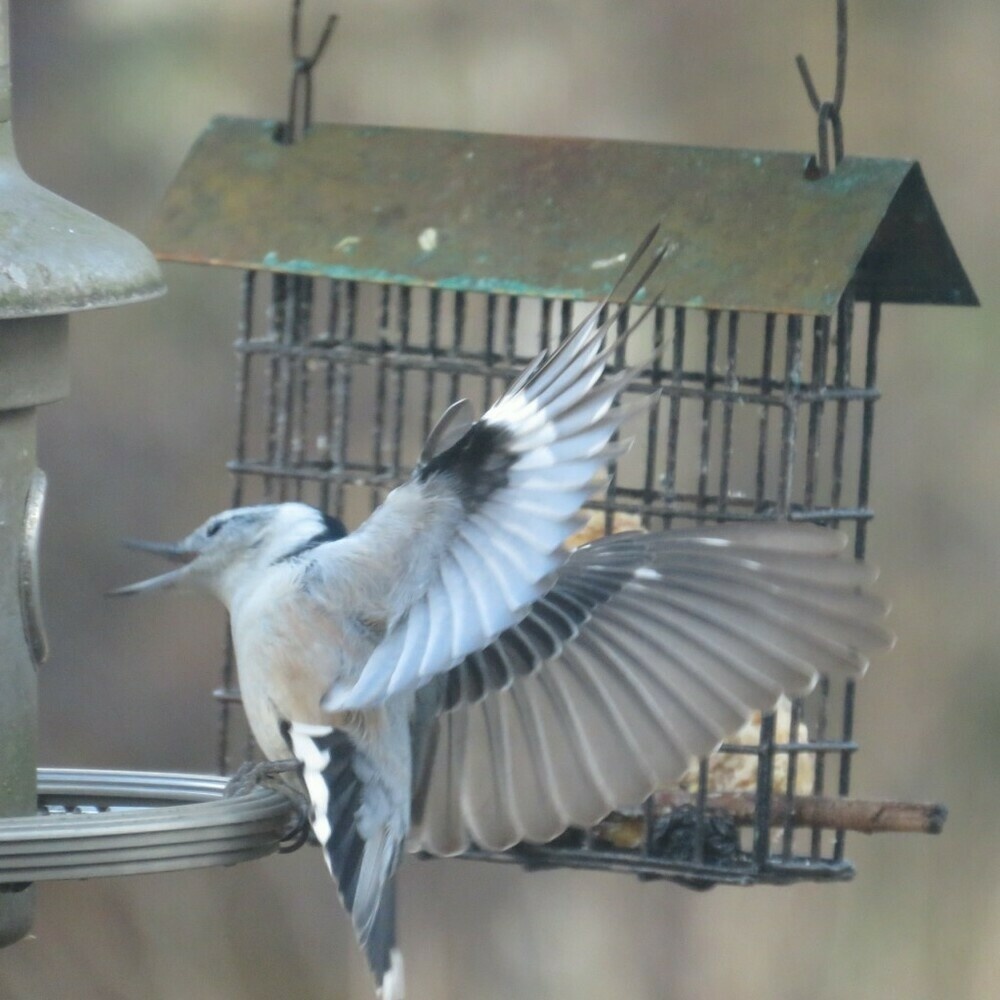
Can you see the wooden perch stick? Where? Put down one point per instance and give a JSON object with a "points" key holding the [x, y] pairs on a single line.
{"points": [[820, 812]]}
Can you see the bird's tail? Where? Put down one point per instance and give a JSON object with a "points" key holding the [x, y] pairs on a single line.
{"points": [[360, 824]]}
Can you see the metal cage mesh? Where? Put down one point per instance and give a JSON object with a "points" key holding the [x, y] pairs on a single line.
{"points": [[760, 416]]}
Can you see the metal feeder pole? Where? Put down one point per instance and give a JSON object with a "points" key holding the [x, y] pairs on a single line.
{"points": [[55, 258], [23, 386]]}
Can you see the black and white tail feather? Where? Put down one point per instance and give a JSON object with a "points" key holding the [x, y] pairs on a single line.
{"points": [[362, 852]]}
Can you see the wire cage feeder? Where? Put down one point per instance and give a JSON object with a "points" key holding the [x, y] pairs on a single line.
{"points": [[390, 271]]}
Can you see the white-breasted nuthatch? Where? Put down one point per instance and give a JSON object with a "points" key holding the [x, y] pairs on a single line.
{"points": [[448, 673]]}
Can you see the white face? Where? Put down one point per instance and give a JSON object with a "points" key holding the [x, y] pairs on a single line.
{"points": [[216, 555]]}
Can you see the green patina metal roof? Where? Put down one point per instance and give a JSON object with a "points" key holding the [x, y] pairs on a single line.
{"points": [[557, 217]]}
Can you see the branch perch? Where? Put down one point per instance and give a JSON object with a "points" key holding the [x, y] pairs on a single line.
{"points": [[628, 829], [820, 812]]}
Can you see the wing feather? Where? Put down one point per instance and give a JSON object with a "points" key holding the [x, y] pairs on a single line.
{"points": [[489, 508], [650, 649]]}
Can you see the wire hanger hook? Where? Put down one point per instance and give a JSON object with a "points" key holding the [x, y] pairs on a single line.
{"points": [[829, 111], [302, 67]]}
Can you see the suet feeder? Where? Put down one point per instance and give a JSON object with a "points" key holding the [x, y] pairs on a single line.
{"points": [[389, 271], [56, 259]]}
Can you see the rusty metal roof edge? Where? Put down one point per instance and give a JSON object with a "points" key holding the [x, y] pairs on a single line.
{"points": [[455, 283], [880, 251], [460, 283]]}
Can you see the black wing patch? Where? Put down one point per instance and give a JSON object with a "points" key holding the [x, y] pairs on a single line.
{"points": [[476, 463]]}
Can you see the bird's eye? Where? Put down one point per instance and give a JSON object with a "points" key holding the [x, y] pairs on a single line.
{"points": [[213, 529]]}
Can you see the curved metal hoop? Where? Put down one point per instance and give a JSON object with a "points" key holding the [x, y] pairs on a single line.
{"points": [[98, 823]]}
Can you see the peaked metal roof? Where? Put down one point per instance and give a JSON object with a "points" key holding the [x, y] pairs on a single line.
{"points": [[557, 217]]}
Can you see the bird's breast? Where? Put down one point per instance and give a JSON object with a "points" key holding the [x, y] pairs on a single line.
{"points": [[288, 653]]}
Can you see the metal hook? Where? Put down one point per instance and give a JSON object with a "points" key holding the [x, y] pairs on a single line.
{"points": [[828, 111], [302, 67], [306, 63]]}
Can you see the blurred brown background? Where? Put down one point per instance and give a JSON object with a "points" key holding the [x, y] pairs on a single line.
{"points": [[109, 95]]}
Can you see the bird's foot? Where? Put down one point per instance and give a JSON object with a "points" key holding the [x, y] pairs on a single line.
{"points": [[271, 773], [268, 772]]}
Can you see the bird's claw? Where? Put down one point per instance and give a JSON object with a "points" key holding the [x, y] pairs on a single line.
{"points": [[251, 774], [268, 772]]}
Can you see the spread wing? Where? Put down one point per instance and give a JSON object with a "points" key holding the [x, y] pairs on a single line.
{"points": [[648, 650], [489, 508]]}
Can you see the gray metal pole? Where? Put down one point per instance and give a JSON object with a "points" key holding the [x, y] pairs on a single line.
{"points": [[55, 258], [18, 688], [4, 63]]}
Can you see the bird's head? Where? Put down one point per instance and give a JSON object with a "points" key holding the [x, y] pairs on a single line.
{"points": [[230, 547]]}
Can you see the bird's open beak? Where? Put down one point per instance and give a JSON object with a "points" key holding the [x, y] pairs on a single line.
{"points": [[177, 552]]}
